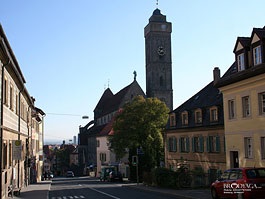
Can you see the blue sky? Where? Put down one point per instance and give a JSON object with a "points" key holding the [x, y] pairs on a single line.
{"points": [[71, 50]]}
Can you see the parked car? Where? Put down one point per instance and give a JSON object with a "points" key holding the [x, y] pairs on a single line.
{"points": [[70, 174], [115, 176], [240, 183]]}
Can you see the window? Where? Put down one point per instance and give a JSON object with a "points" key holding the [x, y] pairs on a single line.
{"points": [[5, 91], [17, 104], [262, 103], [213, 144], [172, 144], [98, 143], [184, 118], [233, 175], [246, 106], [257, 55], [4, 162], [197, 144], [198, 116], [213, 114], [102, 157], [262, 139], [225, 175], [231, 109], [172, 119], [10, 154], [11, 97], [184, 144], [248, 147], [241, 62]]}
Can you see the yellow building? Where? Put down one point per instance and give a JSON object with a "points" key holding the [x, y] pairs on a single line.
{"points": [[243, 88]]}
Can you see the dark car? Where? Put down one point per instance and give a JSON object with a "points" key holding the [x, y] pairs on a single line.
{"points": [[70, 174], [115, 176], [240, 183]]}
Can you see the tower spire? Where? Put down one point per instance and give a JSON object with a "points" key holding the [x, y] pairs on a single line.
{"points": [[156, 3]]}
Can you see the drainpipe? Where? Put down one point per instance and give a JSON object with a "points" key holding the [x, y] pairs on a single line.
{"points": [[2, 121]]}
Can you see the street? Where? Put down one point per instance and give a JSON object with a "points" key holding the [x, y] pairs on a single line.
{"points": [[74, 188]]}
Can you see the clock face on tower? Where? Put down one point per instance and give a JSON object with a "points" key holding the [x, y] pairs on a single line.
{"points": [[161, 51]]}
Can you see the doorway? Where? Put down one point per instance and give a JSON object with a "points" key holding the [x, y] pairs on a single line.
{"points": [[234, 163]]}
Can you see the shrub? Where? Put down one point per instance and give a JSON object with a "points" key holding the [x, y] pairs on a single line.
{"points": [[163, 177]]}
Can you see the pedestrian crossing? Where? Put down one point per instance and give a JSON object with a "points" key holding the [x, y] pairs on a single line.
{"points": [[68, 197]]}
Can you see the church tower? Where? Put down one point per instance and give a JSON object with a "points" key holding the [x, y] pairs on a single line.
{"points": [[157, 35]]}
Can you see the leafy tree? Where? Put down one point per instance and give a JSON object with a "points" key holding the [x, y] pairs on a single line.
{"points": [[140, 124]]}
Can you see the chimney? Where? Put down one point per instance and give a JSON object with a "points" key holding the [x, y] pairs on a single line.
{"points": [[216, 75]]}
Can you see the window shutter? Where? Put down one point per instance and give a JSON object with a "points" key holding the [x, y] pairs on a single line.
{"points": [[217, 144], [208, 144], [188, 144], [192, 144], [180, 149], [201, 144], [175, 144]]}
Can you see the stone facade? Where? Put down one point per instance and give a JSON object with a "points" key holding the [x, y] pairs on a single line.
{"points": [[158, 58]]}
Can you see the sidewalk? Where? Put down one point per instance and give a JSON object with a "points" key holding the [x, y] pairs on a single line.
{"points": [[39, 190]]}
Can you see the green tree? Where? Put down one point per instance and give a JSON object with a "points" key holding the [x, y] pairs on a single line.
{"points": [[140, 124]]}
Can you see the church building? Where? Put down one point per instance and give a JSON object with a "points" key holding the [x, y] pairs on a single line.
{"points": [[93, 143]]}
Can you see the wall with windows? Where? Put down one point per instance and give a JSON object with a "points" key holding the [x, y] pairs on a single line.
{"points": [[104, 155], [202, 149], [244, 109]]}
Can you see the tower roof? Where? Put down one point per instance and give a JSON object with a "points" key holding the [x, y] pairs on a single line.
{"points": [[157, 16]]}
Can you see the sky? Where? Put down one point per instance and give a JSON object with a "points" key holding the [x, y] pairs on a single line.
{"points": [[70, 51]]}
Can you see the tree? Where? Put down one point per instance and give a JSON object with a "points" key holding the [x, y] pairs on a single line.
{"points": [[140, 124]]}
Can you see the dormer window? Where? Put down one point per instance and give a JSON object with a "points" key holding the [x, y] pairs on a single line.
{"points": [[213, 114], [184, 118], [198, 116], [241, 62], [172, 120], [257, 55]]}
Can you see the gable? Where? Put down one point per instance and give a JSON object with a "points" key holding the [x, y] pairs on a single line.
{"points": [[239, 46], [133, 91], [114, 102], [255, 38]]}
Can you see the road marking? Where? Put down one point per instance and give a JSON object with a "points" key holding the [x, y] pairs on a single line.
{"points": [[103, 193]]}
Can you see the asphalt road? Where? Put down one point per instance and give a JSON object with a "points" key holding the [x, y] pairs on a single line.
{"points": [[77, 188]]}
